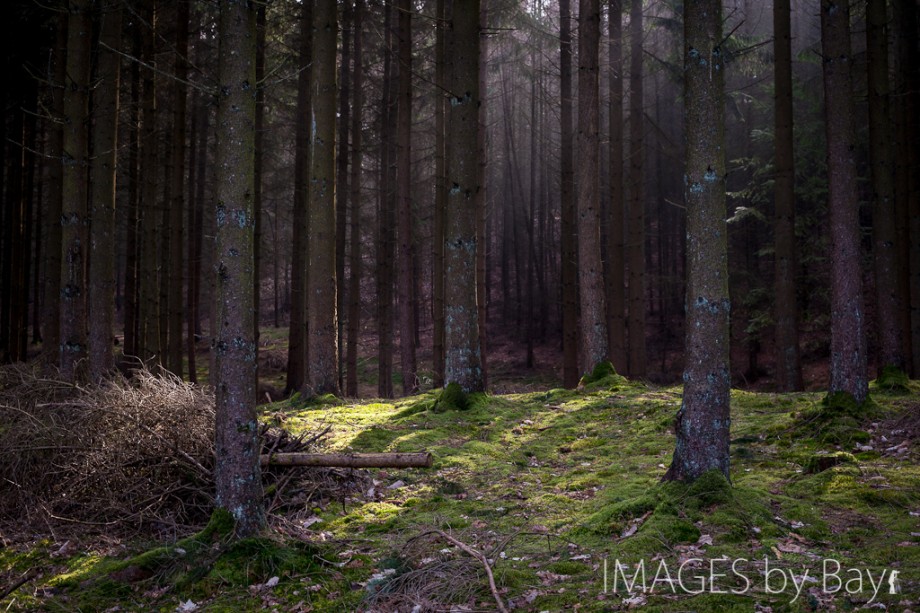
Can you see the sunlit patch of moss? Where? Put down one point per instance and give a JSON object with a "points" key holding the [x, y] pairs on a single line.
{"points": [[892, 379]]}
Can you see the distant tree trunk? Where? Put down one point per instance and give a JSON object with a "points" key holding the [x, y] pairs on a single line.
{"points": [[177, 200], [404, 200], [590, 269], [261, 33], [132, 246], [322, 329], [463, 359], [342, 192], [37, 256], [102, 229], [354, 287], [788, 364], [702, 425], [616, 258], [198, 157], [51, 314], [386, 217], [440, 199], [848, 337], [237, 473], [569, 244], [884, 245], [297, 335], [148, 307], [75, 190], [482, 244], [635, 246]]}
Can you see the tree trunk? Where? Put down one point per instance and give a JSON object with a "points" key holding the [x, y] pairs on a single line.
{"points": [[788, 364], [635, 246], [463, 359], [440, 198], [102, 237], [616, 258], [848, 337], [702, 424], [590, 269], [261, 33], [322, 329], [404, 200], [237, 474], [569, 240], [297, 334], [130, 346], [884, 241], [354, 287], [75, 190]]}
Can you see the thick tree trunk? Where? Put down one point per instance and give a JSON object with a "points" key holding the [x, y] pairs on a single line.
{"points": [[463, 358], [354, 286], [848, 337], [75, 190], [590, 268], [322, 329], [884, 241], [404, 200], [102, 229], [297, 335], [703, 422], [616, 254], [788, 364], [237, 474], [635, 246], [569, 238]]}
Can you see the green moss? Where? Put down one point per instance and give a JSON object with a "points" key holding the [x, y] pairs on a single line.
{"points": [[893, 379], [710, 489], [451, 398], [821, 462], [600, 370]]}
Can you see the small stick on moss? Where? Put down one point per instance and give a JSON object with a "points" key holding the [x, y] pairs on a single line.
{"points": [[485, 563]]}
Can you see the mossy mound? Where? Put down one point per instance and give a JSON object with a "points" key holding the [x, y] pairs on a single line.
{"points": [[602, 376], [451, 398], [837, 420], [821, 462], [893, 379]]}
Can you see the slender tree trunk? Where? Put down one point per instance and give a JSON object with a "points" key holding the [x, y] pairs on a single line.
{"points": [[51, 313], [590, 269], [616, 256], [342, 192], [38, 254], [237, 472], [463, 359], [635, 246], [482, 244], [788, 364], [75, 190], [132, 247], [261, 33], [102, 229], [569, 241], [884, 245], [322, 329], [298, 325], [386, 218], [440, 198], [703, 422], [404, 199], [848, 337], [354, 287]]}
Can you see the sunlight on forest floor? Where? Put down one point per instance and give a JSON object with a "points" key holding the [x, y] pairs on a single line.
{"points": [[553, 487]]}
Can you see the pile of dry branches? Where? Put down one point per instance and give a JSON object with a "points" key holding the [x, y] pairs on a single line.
{"points": [[126, 453]]}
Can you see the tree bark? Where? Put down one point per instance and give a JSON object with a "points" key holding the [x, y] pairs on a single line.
{"points": [[75, 190], [569, 238], [237, 474], [635, 246], [788, 364], [354, 287], [616, 255], [440, 198], [590, 269], [848, 338], [322, 329], [703, 421], [463, 358], [104, 169]]}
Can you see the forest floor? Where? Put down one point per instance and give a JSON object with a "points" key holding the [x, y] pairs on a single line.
{"points": [[560, 491]]}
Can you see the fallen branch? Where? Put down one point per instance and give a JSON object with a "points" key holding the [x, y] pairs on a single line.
{"points": [[32, 574], [479, 556], [349, 460]]}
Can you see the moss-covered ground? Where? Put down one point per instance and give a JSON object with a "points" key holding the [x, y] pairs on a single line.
{"points": [[554, 487]]}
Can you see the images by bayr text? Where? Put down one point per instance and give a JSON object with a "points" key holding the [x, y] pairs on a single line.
{"points": [[741, 576]]}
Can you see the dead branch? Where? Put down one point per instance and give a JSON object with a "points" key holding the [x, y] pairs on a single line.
{"points": [[349, 460], [479, 556]]}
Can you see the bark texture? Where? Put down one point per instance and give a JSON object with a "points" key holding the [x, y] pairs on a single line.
{"points": [[703, 421], [568, 228], [616, 262], [635, 246]]}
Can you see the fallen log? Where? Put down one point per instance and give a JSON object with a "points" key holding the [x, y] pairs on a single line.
{"points": [[349, 460]]}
